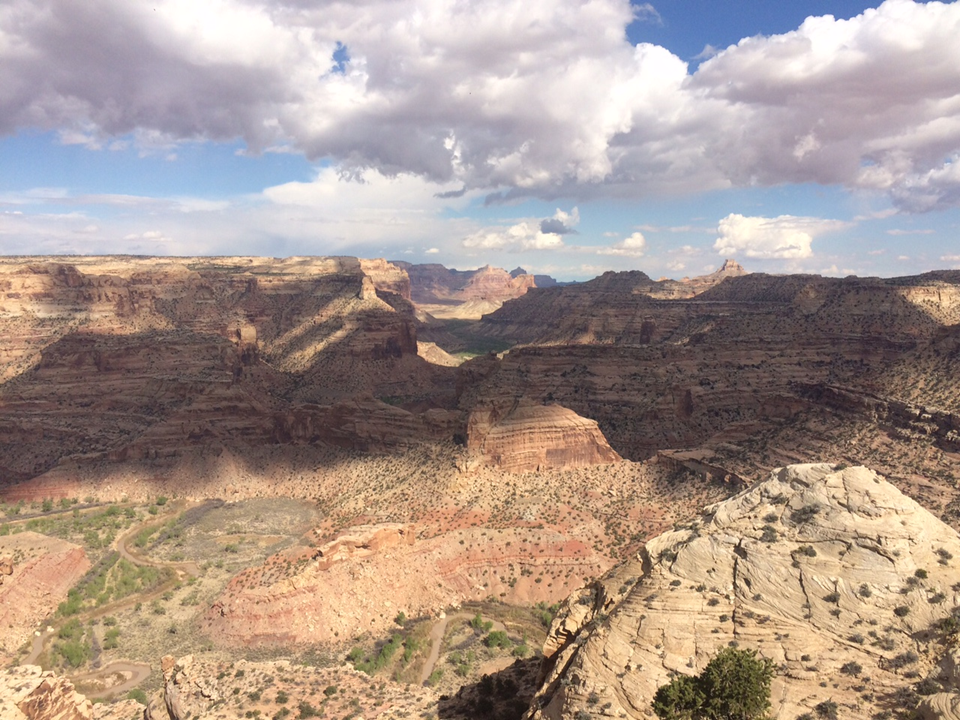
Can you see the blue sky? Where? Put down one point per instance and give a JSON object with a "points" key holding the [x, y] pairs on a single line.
{"points": [[566, 137]]}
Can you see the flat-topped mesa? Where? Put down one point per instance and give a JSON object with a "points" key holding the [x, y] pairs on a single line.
{"points": [[387, 277], [463, 294], [490, 283], [293, 306], [434, 283], [531, 437], [828, 572]]}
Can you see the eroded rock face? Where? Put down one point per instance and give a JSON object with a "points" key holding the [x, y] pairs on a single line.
{"points": [[433, 283], [29, 693], [118, 359], [45, 570], [531, 437], [361, 579], [832, 574], [727, 364], [363, 424], [198, 687], [363, 541]]}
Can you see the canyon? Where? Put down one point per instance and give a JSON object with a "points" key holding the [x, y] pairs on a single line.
{"points": [[485, 440]]}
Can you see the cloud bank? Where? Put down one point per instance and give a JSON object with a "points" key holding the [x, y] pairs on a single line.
{"points": [[542, 99]]}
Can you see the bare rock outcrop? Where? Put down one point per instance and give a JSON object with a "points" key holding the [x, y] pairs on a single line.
{"points": [[463, 294], [42, 570], [29, 693], [363, 424], [200, 687], [831, 573], [532, 437]]}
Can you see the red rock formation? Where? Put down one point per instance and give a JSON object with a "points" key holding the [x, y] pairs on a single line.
{"points": [[375, 572], [387, 277], [536, 437], [433, 283], [121, 359], [660, 374], [36, 585]]}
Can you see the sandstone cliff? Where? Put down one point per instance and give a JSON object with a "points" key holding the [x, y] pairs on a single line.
{"points": [[833, 574], [531, 437], [726, 369], [463, 294], [121, 359]]}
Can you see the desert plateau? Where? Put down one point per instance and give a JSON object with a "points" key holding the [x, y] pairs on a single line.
{"points": [[243, 487]]}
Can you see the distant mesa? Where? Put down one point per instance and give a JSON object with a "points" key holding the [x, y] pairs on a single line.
{"points": [[466, 294], [531, 437]]}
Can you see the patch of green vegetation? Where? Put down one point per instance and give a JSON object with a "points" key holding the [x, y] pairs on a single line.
{"points": [[387, 651], [479, 624], [546, 613], [112, 578], [72, 644], [498, 639], [96, 529]]}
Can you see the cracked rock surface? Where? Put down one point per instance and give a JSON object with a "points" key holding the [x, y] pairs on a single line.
{"points": [[833, 574]]}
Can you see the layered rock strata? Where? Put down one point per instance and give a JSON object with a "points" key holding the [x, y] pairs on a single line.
{"points": [[363, 578], [120, 359], [658, 374], [529, 438], [42, 570]]}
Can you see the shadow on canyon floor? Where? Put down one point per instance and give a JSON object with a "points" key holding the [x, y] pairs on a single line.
{"points": [[504, 695]]}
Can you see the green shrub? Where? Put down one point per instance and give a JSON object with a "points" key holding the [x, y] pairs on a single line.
{"points": [[804, 514], [734, 685], [497, 638], [826, 710]]}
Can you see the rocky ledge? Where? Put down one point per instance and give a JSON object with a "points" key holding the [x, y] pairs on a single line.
{"points": [[846, 584]]}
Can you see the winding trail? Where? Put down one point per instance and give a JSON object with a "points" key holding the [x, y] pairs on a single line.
{"points": [[438, 632], [137, 672]]}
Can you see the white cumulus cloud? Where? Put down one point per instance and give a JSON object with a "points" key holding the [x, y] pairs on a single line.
{"points": [[544, 99], [633, 246], [546, 234], [781, 238]]}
